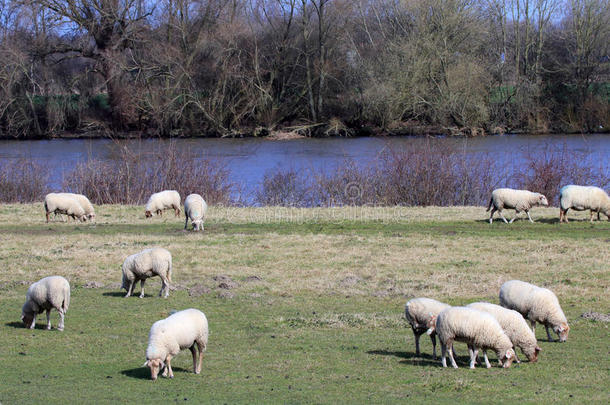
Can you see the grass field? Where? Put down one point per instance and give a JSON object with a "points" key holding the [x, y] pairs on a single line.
{"points": [[316, 311]]}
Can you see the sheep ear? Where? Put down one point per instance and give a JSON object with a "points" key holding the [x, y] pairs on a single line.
{"points": [[538, 349]]}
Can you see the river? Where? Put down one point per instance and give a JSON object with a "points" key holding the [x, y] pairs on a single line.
{"points": [[250, 158]]}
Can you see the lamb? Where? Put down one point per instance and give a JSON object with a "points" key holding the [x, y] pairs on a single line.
{"points": [[515, 328], [536, 304], [519, 200], [195, 208], [167, 337], [63, 204], [478, 329], [161, 201], [419, 313], [581, 198], [84, 202], [147, 263], [44, 295]]}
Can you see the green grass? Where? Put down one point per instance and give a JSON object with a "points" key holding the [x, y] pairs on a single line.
{"points": [[324, 322]]}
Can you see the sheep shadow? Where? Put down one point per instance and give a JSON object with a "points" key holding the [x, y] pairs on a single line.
{"points": [[423, 360], [20, 325], [143, 373], [122, 294]]}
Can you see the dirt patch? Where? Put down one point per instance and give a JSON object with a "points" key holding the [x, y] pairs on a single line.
{"points": [[225, 282], [114, 286], [596, 316], [350, 281], [253, 279], [198, 290], [93, 284], [226, 295]]}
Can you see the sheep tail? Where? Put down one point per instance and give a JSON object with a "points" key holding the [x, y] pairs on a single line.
{"points": [[491, 201]]}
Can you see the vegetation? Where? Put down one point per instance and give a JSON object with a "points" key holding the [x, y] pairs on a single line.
{"points": [[316, 315], [309, 67]]}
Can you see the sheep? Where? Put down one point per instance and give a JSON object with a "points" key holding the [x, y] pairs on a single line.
{"points": [[181, 330], [44, 295], [515, 328], [419, 313], [161, 201], [478, 329], [63, 204], [84, 202], [147, 263], [519, 200], [537, 305], [581, 198], [195, 208]]}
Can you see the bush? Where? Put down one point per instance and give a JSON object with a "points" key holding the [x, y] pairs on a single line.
{"points": [[23, 181]]}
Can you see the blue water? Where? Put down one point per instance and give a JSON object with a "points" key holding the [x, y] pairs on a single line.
{"points": [[250, 158]]}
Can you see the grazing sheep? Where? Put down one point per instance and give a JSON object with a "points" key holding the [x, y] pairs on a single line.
{"points": [[515, 328], [519, 200], [147, 263], [44, 295], [63, 204], [84, 202], [581, 198], [420, 312], [479, 330], [167, 337], [161, 201], [195, 208], [536, 304]]}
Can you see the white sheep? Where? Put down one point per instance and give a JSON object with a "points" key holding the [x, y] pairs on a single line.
{"points": [[581, 198], [420, 312], [63, 204], [195, 209], [479, 330], [181, 330], [519, 200], [84, 202], [536, 304], [161, 201], [147, 263], [44, 295], [514, 326]]}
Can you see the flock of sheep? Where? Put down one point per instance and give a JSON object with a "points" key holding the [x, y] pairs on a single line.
{"points": [[481, 326], [485, 326]]}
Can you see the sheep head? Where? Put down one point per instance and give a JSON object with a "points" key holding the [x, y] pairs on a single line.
{"points": [[508, 358], [155, 366], [562, 330], [147, 214]]}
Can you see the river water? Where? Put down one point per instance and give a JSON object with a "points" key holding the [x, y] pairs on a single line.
{"points": [[250, 158]]}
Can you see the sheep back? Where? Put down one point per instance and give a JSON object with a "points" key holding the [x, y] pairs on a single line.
{"points": [[580, 198], [195, 209], [49, 292], [520, 200], [147, 263], [176, 332], [419, 312], [163, 200], [84, 202], [63, 204]]}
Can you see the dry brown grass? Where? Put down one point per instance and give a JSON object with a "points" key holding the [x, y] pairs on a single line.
{"points": [[296, 251]]}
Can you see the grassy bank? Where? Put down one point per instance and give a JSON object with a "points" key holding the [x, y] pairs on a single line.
{"points": [[316, 313]]}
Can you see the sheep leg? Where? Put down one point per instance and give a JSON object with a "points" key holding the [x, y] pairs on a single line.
{"points": [[548, 334], [141, 287], [433, 339], [186, 222], [33, 325], [565, 215], [443, 354], [177, 211], [169, 366], [502, 216], [528, 216], [491, 215], [61, 320], [515, 217], [474, 353], [48, 319], [201, 348], [417, 335], [450, 350], [130, 288], [533, 324], [487, 364], [47, 214], [164, 287], [194, 353], [516, 358]]}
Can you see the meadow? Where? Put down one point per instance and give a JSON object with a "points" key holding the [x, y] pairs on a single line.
{"points": [[304, 305]]}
